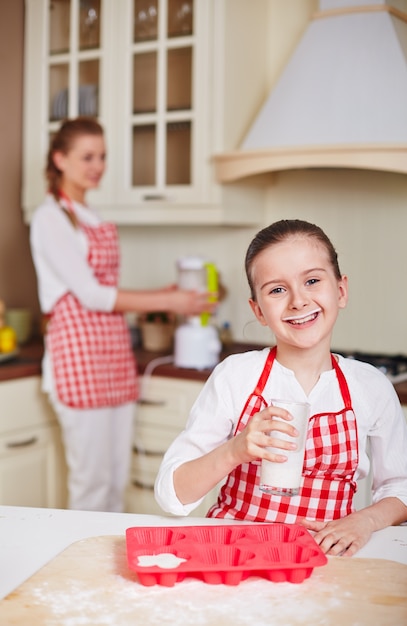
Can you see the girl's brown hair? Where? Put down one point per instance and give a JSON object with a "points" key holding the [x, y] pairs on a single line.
{"points": [[62, 141], [279, 232]]}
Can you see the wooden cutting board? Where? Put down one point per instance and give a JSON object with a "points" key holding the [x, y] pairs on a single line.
{"points": [[90, 583]]}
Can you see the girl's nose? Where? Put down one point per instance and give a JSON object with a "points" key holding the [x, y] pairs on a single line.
{"points": [[298, 299]]}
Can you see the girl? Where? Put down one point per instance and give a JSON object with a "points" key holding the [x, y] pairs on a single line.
{"points": [[297, 290], [88, 368]]}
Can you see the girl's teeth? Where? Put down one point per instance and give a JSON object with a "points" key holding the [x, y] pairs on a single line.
{"points": [[303, 320]]}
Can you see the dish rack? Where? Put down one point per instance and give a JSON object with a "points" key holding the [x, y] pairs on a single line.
{"points": [[226, 554]]}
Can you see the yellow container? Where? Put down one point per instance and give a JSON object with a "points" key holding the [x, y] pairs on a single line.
{"points": [[8, 339]]}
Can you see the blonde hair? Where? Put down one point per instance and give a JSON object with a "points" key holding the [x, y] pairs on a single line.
{"points": [[63, 141]]}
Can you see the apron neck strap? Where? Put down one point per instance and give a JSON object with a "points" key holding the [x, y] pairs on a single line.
{"points": [[343, 385]]}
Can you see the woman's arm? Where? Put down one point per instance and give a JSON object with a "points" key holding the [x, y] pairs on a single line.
{"points": [[60, 256], [165, 299]]}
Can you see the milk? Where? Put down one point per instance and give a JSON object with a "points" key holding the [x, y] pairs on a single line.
{"points": [[285, 478]]}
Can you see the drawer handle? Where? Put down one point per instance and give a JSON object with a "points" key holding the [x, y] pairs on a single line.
{"points": [[151, 197], [144, 402], [144, 452], [23, 444], [140, 485]]}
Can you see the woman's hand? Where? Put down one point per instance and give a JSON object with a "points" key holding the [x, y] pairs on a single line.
{"points": [[341, 537], [169, 299], [252, 443], [185, 302]]}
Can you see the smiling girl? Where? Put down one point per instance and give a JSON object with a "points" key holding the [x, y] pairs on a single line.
{"points": [[297, 290]]}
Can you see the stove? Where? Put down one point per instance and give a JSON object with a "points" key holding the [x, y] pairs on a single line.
{"points": [[394, 366]]}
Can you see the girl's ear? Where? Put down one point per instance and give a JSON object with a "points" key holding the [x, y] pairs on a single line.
{"points": [[343, 292], [257, 311]]}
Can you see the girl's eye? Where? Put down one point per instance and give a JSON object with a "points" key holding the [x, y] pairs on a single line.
{"points": [[312, 281], [277, 290]]}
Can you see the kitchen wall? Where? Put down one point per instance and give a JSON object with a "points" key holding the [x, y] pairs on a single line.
{"points": [[17, 278], [364, 213]]}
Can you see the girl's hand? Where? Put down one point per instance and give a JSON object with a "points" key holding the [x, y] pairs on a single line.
{"points": [[341, 537], [252, 443]]}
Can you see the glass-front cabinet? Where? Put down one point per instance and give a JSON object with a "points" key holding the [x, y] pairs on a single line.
{"points": [[164, 103], [153, 73]]}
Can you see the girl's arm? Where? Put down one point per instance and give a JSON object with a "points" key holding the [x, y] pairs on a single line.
{"points": [[348, 535], [194, 479]]}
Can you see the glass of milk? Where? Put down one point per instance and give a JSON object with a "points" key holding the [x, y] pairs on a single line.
{"points": [[284, 479]]}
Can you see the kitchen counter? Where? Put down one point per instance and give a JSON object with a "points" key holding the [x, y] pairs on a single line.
{"points": [[32, 538], [28, 363]]}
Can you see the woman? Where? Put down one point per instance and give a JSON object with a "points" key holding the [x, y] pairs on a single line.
{"points": [[297, 290], [89, 369]]}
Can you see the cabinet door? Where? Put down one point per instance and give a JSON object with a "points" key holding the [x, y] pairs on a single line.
{"points": [[30, 468], [65, 75], [32, 462], [164, 103]]}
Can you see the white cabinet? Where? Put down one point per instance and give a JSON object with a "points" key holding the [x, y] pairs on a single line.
{"points": [[161, 415], [32, 466], [172, 82]]}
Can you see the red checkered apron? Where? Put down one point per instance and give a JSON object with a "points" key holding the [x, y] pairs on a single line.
{"points": [[331, 459], [91, 353]]}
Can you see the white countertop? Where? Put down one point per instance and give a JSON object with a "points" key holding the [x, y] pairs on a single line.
{"points": [[30, 537]]}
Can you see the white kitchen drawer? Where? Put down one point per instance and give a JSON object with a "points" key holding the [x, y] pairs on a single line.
{"points": [[31, 471], [144, 470], [167, 400], [142, 501], [23, 405], [154, 437]]}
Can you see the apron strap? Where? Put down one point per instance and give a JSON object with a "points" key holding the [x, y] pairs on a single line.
{"points": [[343, 385], [260, 385]]}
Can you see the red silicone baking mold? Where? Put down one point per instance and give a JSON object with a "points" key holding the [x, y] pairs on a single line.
{"points": [[224, 554]]}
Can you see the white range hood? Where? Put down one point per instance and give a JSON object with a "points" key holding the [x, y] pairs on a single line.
{"points": [[340, 102]]}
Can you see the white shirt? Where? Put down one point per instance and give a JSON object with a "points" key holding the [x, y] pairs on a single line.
{"points": [[59, 253], [215, 413]]}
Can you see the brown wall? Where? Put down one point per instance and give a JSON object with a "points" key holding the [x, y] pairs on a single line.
{"points": [[17, 278]]}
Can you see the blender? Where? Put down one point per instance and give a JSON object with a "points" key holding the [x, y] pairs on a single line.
{"points": [[196, 342]]}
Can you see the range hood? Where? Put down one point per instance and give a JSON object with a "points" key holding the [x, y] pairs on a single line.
{"points": [[341, 101]]}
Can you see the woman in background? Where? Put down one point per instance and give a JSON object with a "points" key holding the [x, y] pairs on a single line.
{"points": [[89, 369]]}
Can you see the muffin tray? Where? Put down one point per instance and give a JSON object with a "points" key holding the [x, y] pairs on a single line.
{"points": [[226, 554]]}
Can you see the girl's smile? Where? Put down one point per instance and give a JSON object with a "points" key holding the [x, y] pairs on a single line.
{"points": [[298, 320]]}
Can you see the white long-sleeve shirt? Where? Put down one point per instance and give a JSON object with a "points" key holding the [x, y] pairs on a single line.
{"points": [[215, 413], [59, 253]]}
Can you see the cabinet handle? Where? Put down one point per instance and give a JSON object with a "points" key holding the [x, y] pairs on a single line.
{"points": [[147, 452], [154, 196], [140, 485], [146, 402], [22, 444]]}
